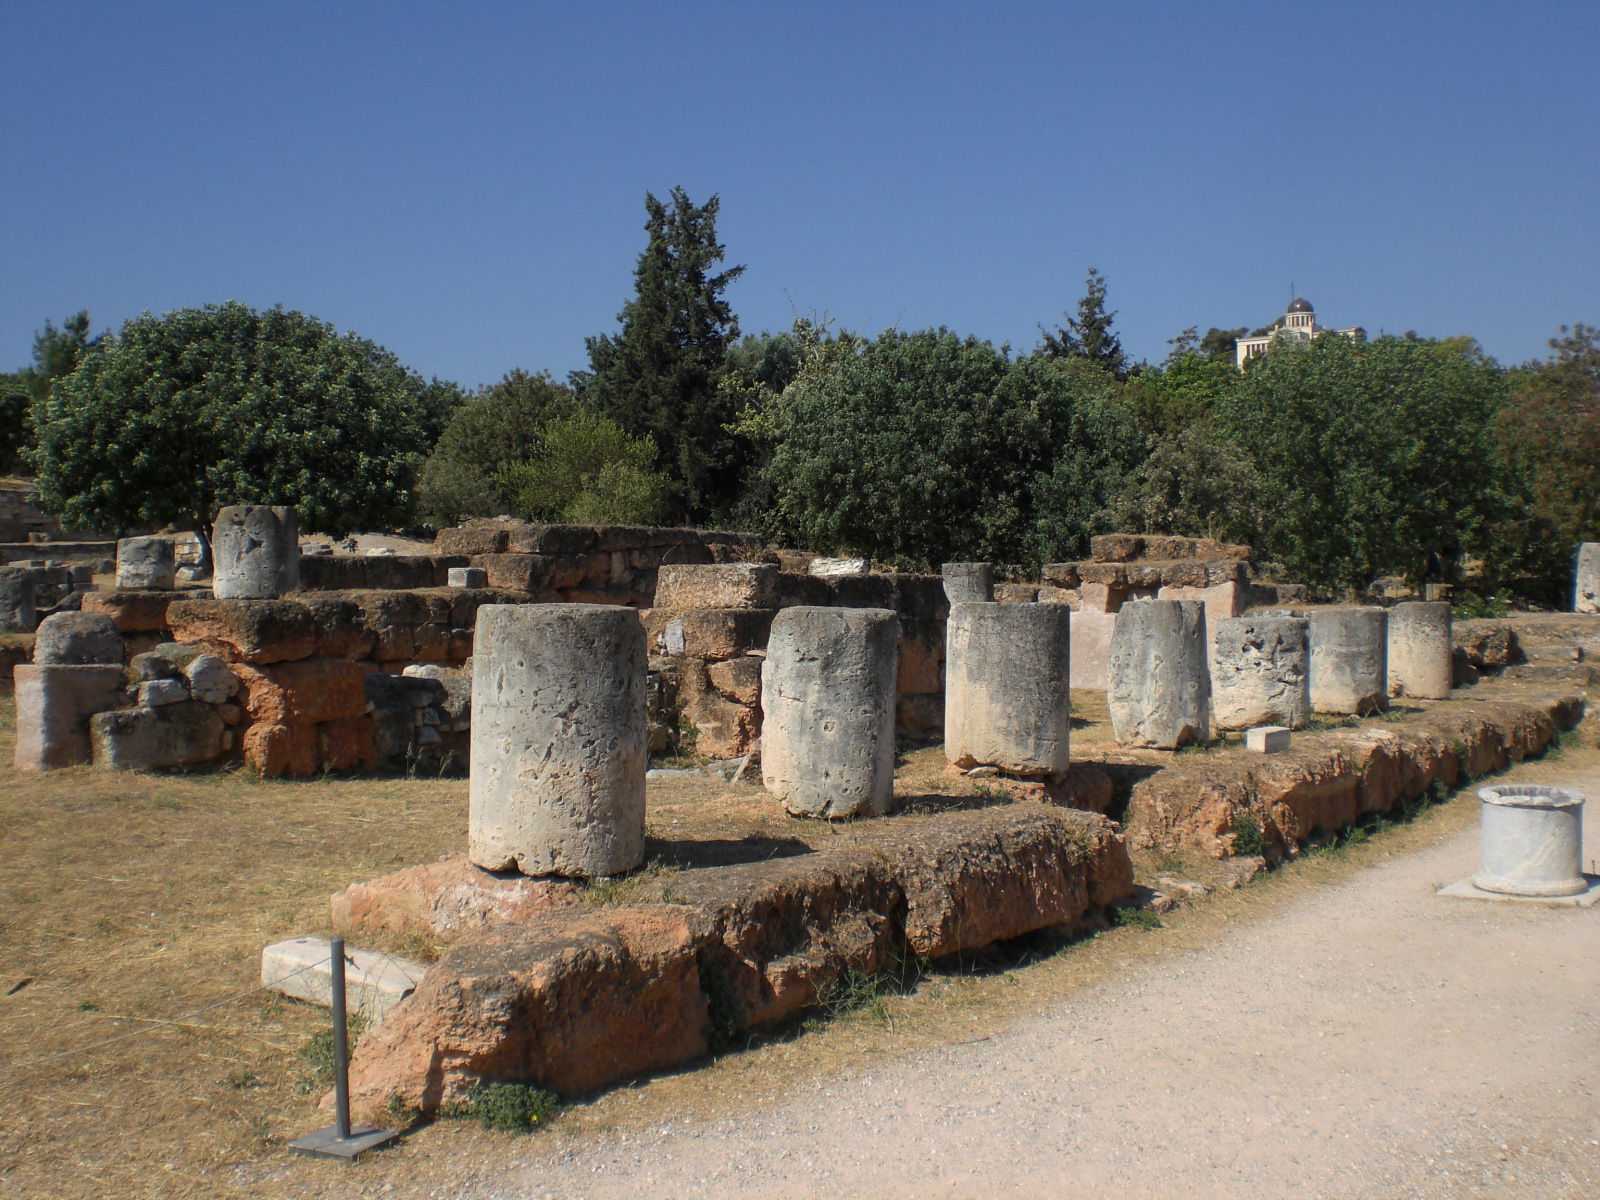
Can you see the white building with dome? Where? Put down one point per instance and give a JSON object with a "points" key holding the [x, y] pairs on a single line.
{"points": [[1298, 324]]}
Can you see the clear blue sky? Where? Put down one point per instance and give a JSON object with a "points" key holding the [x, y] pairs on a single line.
{"points": [[463, 183]]}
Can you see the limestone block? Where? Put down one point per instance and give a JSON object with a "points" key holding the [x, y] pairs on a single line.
{"points": [[468, 577], [1267, 739], [1260, 672], [739, 679], [281, 750], [1586, 578], [1091, 648], [256, 548], [302, 969], [18, 600], [305, 692], [1160, 686], [152, 665], [718, 633], [724, 585], [1420, 650], [252, 631], [131, 612], [146, 564], [828, 705], [78, 638], [1530, 840], [210, 680], [968, 583], [724, 728], [1348, 657], [1007, 698], [54, 703], [181, 734], [838, 566], [1100, 598], [558, 739], [349, 744], [154, 693]]}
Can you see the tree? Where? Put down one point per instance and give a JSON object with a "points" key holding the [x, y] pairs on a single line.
{"points": [[1372, 456], [1551, 432], [657, 376], [492, 431], [920, 447], [184, 413], [1088, 335], [585, 470], [55, 353]]}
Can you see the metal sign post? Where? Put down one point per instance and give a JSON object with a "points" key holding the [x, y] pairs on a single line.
{"points": [[339, 1140]]}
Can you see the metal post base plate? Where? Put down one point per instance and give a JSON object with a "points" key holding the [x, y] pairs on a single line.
{"points": [[326, 1143]]}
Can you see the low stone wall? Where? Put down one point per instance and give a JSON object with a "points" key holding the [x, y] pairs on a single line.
{"points": [[707, 635], [1329, 780], [578, 997]]}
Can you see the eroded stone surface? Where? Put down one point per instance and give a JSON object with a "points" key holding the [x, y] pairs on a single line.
{"points": [[179, 734], [54, 704], [1420, 648], [1007, 698], [1160, 685], [1260, 672], [828, 704], [78, 639], [558, 740], [146, 563], [1349, 652], [1586, 578], [256, 550]]}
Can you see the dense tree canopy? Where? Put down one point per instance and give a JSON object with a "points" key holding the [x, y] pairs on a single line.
{"points": [[183, 413], [1372, 456], [657, 377], [585, 470], [492, 431], [56, 352], [1551, 431], [920, 447]]}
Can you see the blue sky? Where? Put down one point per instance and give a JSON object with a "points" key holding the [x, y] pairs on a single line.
{"points": [[463, 183]]}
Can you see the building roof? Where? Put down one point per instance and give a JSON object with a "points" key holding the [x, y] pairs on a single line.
{"points": [[1300, 304]]}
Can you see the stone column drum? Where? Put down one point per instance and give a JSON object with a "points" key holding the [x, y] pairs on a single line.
{"points": [[1348, 655], [1586, 578], [1530, 840], [968, 583], [19, 611], [256, 552], [558, 739], [1007, 702], [828, 700], [146, 564], [1160, 686], [1421, 654], [1260, 672]]}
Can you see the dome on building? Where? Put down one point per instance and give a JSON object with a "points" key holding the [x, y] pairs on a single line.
{"points": [[1300, 304]]}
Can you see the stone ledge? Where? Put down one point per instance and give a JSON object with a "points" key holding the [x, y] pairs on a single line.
{"points": [[1327, 781], [582, 997]]}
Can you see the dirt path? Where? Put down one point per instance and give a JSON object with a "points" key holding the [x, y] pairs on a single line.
{"points": [[1365, 1039]]}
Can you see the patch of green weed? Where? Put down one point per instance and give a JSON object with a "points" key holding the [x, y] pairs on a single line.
{"points": [[1138, 918], [514, 1107], [1247, 836]]}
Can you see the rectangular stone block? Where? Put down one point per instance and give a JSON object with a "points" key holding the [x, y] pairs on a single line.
{"points": [[1090, 638], [311, 691], [132, 612], [718, 633], [183, 734], [54, 704], [302, 969], [468, 577], [252, 631], [518, 572], [474, 539], [1267, 739], [726, 585]]}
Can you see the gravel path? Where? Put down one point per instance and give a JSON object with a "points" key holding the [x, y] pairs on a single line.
{"points": [[1370, 1039]]}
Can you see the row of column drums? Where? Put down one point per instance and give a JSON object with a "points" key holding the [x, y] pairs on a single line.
{"points": [[559, 749]]}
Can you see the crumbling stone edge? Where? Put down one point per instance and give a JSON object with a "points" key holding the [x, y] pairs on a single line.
{"points": [[581, 997]]}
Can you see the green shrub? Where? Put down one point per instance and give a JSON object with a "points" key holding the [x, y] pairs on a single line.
{"points": [[514, 1107], [1247, 835]]}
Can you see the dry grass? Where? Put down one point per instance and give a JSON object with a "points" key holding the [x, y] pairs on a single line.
{"points": [[127, 900]]}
